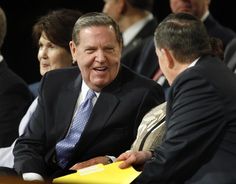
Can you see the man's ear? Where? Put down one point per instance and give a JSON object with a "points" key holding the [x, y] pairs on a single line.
{"points": [[169, 57], [73, 49], [122, 7]]}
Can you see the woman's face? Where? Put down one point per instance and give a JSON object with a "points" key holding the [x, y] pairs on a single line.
{"points": [[52, 56], [113, 8]]}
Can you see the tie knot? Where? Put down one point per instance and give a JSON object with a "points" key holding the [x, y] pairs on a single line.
{"points": [[90, 94]]}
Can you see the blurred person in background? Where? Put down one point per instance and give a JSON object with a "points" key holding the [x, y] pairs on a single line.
{"points": [[52, 34], [200, 9], [137, 25], [15, 96]]}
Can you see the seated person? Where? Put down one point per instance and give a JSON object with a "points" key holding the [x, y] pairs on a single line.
{"points": [[59, 134], [52, 34], [199, 144]]}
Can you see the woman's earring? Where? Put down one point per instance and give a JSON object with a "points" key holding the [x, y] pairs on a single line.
{"points": [[73, 62]]}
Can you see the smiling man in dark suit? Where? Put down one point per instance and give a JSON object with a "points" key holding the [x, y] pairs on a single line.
{"points": [[122, 98], [200, 141]]}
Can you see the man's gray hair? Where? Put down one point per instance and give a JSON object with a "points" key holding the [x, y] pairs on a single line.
{"points": [[95, 19]]}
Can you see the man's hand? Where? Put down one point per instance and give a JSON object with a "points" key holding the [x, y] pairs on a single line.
{"points": [[137, 158], [96, 160]]}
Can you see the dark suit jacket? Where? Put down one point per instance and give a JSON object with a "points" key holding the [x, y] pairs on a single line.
{"points": [[15, 99], [110, 130], [217, 30], [132, 54], [34, 88], [200, 144], [147, 63]]}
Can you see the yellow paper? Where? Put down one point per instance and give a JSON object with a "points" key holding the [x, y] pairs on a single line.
{"points": [[100, 174]]}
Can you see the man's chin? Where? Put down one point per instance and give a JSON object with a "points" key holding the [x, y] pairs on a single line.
{"points": [[98, 85], [185, 10]]}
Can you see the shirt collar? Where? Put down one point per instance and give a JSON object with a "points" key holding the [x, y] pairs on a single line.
{"points": [[194, 62], [134, 29], [1, 58], [205, 15], [84, 90]]}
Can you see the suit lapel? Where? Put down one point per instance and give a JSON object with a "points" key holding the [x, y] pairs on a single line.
{"points": [[66, 105], [97, 120]]}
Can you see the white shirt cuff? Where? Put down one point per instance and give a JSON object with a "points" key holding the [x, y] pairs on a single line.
{"points": [[32, 177], [111, 157]]}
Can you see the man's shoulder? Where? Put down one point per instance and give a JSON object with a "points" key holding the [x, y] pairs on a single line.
{"points": [[9, 78], [60, 78], [132, 77], [67, 70], [206, 70], [130, 80], [148, 28], [62, 73]]}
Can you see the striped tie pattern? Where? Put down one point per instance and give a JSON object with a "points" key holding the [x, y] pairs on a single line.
{"points": [[65, 146]]}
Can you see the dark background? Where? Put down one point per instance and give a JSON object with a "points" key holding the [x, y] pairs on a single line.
{"points": [[21, 54]]}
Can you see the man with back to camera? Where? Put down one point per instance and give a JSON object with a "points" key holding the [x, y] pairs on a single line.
{"points": [[199, 144]]}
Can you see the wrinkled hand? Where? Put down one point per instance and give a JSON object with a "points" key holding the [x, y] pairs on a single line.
{"points": [[137, 158], [96, 160]]}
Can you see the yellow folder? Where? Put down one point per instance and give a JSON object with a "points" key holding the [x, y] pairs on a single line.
{"points": [[100, 174]]}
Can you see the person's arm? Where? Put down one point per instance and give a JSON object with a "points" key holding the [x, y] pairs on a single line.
{"points": [[6, 155], [30, 146], [93, 161], [130, 158], [14, 102], [194, 123], [135, 158]]}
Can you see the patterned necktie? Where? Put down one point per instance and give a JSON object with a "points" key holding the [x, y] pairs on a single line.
{"points": [[66, 145]]}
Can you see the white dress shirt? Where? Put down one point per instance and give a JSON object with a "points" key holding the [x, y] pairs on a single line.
{"points": [[133, 30]]}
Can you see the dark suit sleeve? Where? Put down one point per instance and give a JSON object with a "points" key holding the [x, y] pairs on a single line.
{"points": [[194, 122], [14, 102], [29, 148]]}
